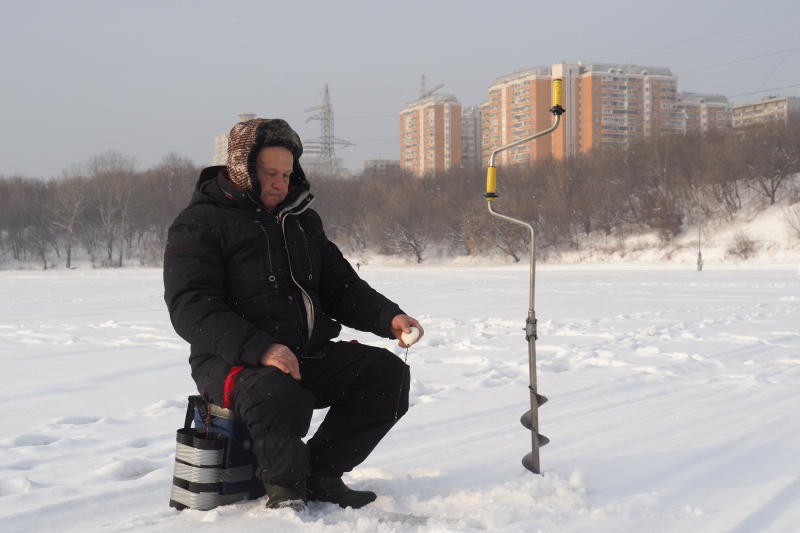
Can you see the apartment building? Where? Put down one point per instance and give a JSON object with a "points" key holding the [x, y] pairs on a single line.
{"points": [[607, 105], [378, 166], [471, 154], [517, 105], [771, 108], [430, 135], [220, 150], [618, 104], [704, 112]]}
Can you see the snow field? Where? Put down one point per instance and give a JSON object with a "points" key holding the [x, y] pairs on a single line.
{"points": [[673, 405]]}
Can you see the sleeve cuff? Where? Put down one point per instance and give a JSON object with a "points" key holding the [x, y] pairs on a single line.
{"points": [[252, 354], [387, 314]]}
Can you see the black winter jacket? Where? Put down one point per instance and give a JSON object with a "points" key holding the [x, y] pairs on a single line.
{"points": [[238, 278]]}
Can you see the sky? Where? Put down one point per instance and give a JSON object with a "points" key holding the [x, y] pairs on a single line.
{"points": [[149, 78]]}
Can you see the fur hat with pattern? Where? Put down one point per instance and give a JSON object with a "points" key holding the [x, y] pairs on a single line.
{"points": [[247, 138]]}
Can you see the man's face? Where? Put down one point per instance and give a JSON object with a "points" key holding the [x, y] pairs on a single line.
{"points": [[273, 169]]}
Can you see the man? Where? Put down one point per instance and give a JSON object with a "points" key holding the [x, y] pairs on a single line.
{"points": [[254, 285]]}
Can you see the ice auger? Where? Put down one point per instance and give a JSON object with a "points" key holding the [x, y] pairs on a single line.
{"points": [[530, 419]]}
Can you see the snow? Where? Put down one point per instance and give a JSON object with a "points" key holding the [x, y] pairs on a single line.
{"points": [[673, 404]]}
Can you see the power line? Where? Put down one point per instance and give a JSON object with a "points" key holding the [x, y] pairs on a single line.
{"points": [[368, 116], [705, 38], [780, 62], [387, 140], [735, 61], [766, 90]]}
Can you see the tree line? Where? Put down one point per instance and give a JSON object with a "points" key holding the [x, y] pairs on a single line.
{"points": [[105, 208], [658, 184], [116, 215]]}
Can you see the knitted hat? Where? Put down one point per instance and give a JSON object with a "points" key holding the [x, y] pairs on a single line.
{"points": [[247, 138]]}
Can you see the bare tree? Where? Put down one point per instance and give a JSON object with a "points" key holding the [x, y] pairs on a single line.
{"points": [[16, 213], [68, 203], [37, 232], [158, 196], [474, 231], [771, 159], [408, 227], [111, 175], [723, 172]]}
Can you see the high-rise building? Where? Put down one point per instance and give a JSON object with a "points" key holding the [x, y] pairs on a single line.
{"points": [[471, 153], [517, 106], [430, 135], [614, 104], [765, 110], [704, 112], [221, 142], [607, 105]]}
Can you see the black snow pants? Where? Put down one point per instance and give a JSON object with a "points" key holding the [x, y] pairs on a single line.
{"points": [[366, 389]]}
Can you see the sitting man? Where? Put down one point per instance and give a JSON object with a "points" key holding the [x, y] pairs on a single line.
{"points": [[254, 285]]}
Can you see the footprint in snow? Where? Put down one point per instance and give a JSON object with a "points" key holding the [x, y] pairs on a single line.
{"points": [[77, 420], [19, 465], [127, 470], [138, 443], [9, 487], [435, 341], [162, 405], [648, 351], [556, 366], [420, 393], [30, 439], [499, 377]]}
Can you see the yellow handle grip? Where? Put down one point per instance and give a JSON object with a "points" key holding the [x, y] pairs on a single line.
{"points": [[558, 93], [491, 183]]}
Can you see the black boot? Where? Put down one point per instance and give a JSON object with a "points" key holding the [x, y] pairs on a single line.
{"points": [[333, 490], [279, 497]]}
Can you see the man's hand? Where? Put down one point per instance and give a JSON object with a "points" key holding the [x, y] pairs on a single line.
{"points": [[282, 358], [401, 324]]}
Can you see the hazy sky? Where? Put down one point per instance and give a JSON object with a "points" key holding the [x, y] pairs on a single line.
{"points": [[147, 78]]}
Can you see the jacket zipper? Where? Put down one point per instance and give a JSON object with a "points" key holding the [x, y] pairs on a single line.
{"points": [[308, 252], [308, 303]]}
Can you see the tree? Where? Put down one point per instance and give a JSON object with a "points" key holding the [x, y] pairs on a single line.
{"points": [[407, 216], [68, 203], [773, 156], [159, 194], [111, 176], [723, 172]]}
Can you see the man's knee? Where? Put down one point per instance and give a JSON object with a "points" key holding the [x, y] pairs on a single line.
{"points": [[392, 368], [269, 400], [390, 377]]}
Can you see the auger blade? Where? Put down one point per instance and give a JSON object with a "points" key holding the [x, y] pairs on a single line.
{"points": [[527, 462], [542, 440], [525, 419], [541, 400]]}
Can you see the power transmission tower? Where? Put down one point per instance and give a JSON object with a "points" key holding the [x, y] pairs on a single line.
{"points": [[323, 146]]}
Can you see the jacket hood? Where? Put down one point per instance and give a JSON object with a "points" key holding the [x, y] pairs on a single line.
{"points": [[247, 138]]}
